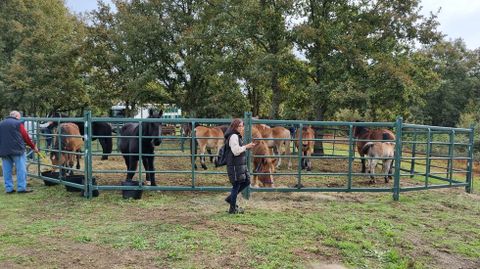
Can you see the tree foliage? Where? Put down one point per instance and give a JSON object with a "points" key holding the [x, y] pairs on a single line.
{"points": [[296, 59]]}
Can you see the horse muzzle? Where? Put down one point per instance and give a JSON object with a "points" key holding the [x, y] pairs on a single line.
{"points": [[157, 141]]}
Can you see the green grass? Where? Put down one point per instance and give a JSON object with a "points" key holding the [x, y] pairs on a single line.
{"points": [[168, 230]]}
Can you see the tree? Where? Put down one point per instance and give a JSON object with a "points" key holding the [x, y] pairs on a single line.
{"points": [[40, 65], [359, 54], [458, 68]]}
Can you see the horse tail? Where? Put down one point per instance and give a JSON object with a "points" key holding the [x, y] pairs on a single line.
{"points": [[366, 148]]}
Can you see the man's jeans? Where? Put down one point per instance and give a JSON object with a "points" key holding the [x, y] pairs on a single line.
{"points": [[20, 162]]}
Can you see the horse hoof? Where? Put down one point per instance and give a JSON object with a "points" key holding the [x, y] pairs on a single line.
{"points": [[104, 158], [309, 169], [204, 167]]}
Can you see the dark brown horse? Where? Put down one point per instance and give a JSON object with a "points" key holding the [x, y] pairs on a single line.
{"points": [[366, 135]]}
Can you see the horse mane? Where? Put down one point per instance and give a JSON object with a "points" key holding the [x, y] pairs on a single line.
{"points": [[360, 130]]}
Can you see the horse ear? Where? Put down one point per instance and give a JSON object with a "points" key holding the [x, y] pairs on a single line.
{"points": [[264, 161], [150, 112], [160, 114], [274, 161]]}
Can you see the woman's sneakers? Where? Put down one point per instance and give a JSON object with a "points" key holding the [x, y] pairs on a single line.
{"points": [[235, 210]]}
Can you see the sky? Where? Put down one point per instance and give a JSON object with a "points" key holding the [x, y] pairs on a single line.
{"points": [[458, 18]]}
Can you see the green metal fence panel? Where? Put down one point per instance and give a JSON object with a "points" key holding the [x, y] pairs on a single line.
{"points": [[423, 161]]}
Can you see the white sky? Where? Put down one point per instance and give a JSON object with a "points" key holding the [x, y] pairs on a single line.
{"points": [[458, 18]]}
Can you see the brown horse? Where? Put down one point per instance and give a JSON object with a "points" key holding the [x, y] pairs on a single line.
{"points": [[379, 151], [307, 146], [279, 136], [208, 137], [366, 135], [263, 165], [72, 142]]}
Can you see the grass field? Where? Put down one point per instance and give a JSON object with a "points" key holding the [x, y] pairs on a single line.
{"points": [[52, 228]]}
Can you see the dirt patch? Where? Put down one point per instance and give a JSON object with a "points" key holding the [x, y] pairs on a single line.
{"points": [[66, 254], [441, 258]]}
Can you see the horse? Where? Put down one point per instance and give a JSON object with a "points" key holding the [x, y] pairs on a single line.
{"points": [[365, 134], [130, 145], [72, 142], [278, 136], [379, 151], [263, 165], [208, 138], [307, 146], [102, 129]]}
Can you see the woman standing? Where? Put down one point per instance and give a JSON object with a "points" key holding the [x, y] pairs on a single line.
{"points": [[236, 163]]}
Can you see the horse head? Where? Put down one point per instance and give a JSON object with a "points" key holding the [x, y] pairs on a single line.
{"points": [[359, 130], [153, 129], [264, 164]]}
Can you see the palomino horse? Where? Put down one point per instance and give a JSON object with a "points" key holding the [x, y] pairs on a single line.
{"points": [[278, 136], [263, 165], [208, 137], [364, 134], [130, 145], [71, 141], [379, 151], [307, 145]]}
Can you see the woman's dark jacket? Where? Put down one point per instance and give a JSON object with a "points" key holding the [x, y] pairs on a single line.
{"points": [[236, 165]]}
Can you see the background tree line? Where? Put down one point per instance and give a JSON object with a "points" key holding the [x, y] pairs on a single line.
{"points": [[295, 59]]}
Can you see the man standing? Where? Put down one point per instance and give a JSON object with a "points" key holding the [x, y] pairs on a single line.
{"points": [[13, 137]]}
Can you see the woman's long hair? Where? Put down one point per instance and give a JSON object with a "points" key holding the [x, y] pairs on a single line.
{"points": [[234, 125]]}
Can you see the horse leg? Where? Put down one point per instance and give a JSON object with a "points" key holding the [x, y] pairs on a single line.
{"points": [[287, 152], [304, 161], [209, 151], [363, 163], [309, 161], [131, 166], [106, 144], [372, 164], [390, 169], [148, 164], [202, 157], [277, 151], [193, 151], [387, 166]]}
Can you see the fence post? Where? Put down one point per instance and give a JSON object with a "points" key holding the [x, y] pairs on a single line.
{"points": [[351, 156], [398, 158], [299, 156], [247, 138], [469, 187], [193, 150], [88, 153], [414, 154]]}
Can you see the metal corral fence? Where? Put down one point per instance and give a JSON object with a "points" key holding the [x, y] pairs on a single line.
{"points": [[426, 157]]}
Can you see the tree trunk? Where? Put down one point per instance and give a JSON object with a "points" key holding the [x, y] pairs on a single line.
{"points": [[318, 147]]}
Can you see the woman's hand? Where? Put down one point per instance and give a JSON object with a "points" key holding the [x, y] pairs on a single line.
{"points": [[250, 145]]}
